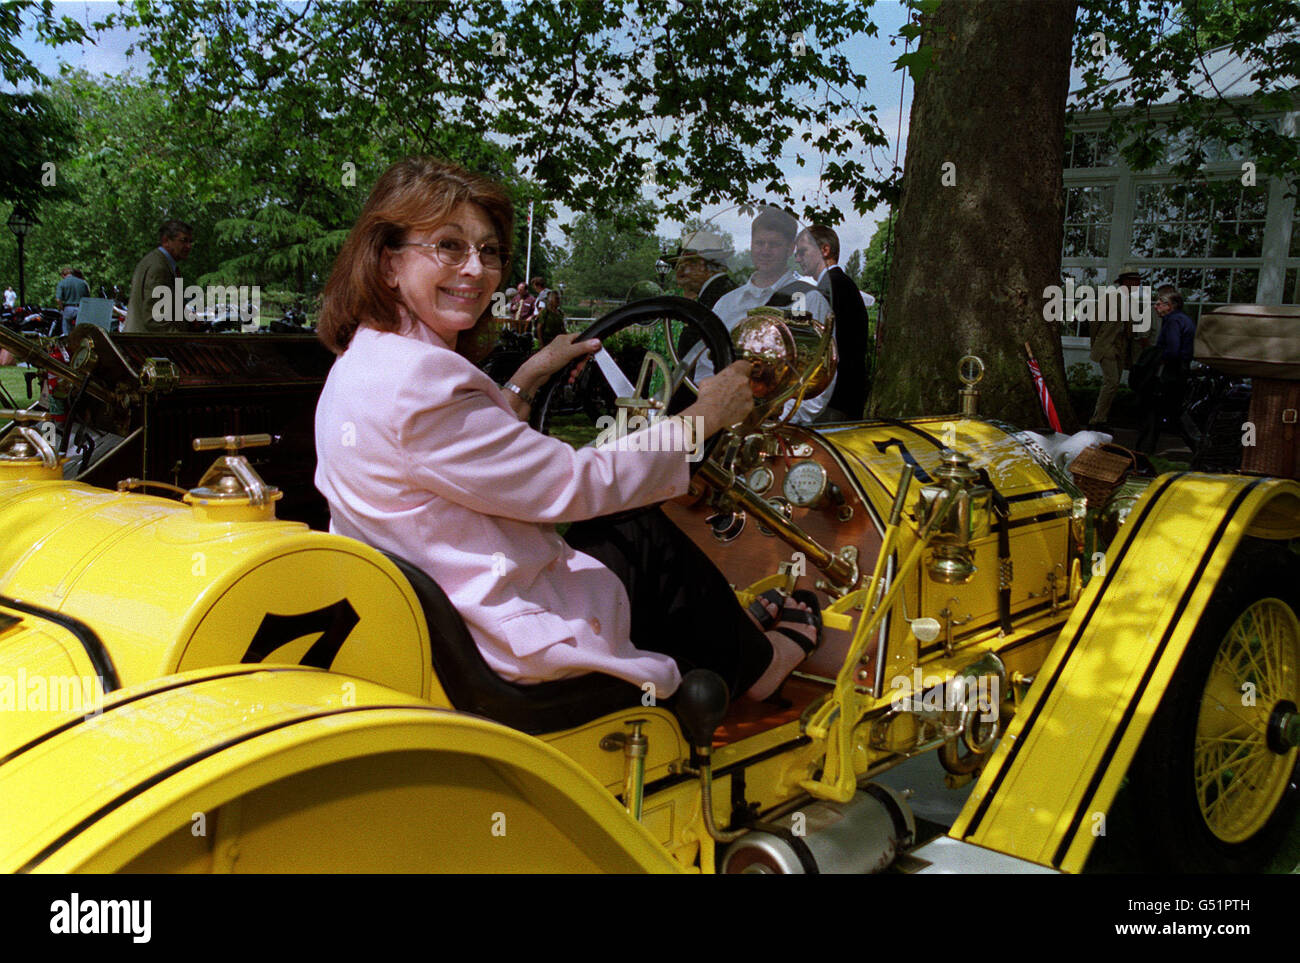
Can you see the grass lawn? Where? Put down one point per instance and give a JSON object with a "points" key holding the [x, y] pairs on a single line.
{"points": [[11, 377]]}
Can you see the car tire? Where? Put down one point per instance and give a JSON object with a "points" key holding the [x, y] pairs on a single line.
{"points": [[1214, 783]]}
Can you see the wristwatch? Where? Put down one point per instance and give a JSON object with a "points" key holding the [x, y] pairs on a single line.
{"points": [[524, 396]]}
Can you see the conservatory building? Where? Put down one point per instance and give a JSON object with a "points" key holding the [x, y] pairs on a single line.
{"points": [[1229, 237]]}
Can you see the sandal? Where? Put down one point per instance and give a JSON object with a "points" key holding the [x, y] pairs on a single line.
{"points": [[812, 617], [760, 613]]}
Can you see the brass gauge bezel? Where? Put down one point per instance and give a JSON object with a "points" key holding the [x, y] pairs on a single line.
{"points": [[760, 489]]}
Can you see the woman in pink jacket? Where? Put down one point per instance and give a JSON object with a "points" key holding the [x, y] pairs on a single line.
{"points": [[421, 454]]}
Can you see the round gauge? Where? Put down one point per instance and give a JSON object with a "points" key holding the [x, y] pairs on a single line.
{"points": [[760, 480], [805, 484]]}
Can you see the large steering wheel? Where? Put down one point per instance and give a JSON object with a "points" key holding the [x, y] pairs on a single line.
{"points": [[648, 313]]}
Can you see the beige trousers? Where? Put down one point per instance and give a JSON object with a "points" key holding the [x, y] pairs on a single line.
{"points": [[1109, 388]]}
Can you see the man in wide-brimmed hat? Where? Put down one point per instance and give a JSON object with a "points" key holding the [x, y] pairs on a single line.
{"points": [[1110, 346], [700, 266]]}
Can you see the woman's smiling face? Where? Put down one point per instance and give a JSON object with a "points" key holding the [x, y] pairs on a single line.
{"points": [[443, 298]]}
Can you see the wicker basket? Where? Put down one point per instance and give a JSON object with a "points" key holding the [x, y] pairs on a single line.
{"points": [[1100, 469], [1275, 413]]}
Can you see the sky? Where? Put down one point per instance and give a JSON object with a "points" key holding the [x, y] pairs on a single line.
{"points": [[872, 56]]}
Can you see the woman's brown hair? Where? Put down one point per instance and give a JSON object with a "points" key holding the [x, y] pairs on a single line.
{"points": [[416, 194]]}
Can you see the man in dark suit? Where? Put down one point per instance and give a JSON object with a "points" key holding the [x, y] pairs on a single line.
{"points": [[817, 252]]}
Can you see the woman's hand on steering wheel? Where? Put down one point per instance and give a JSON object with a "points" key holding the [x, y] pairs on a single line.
{"points": [[554, 357], [726, 399]]}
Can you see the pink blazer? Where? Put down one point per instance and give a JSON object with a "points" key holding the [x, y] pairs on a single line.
{"points": [[420, 454]]}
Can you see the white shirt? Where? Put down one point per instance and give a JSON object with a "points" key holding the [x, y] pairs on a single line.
{"points": [[734, 306], [11, 297]]}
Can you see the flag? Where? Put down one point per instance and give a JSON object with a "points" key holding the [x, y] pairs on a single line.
{"points": [[1044, 396]]}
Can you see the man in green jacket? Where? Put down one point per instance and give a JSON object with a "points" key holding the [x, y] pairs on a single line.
{"points": [[156, 306]]}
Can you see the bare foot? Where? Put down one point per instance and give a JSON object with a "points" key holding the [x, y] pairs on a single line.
{"points": [[786, 655]]}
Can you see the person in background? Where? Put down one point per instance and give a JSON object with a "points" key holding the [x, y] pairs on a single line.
{"points": [[773, 283], [1110, 324], [67, 296], [701, 267], [522, 311], [1162, 403], [548, 319], [817, 252], [11, 298], [157, 272]]}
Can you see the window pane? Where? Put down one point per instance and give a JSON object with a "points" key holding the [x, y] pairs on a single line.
{"points": [[1143, 243], [1100, 236], [1154, 202], [1252, 240], [1198, 203], [1082, 150], [1189, 283], [1076, 241], [1094, 149], [1254, 202], [1245, 282], [1291, 289], [1223, 239], [1217, 284], [1196, 238], [1106, 152], [1168, 241]]}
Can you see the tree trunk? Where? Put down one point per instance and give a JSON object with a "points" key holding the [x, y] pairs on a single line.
{"points": [[978, 241]]}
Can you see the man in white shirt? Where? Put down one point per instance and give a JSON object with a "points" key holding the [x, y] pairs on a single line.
{"points": [[771, 242], [11, 297]]}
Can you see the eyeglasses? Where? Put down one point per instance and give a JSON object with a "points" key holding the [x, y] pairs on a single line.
{"points": [[454, 252]]}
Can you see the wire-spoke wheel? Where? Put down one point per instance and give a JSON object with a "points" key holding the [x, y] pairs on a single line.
{"points": [[1215, 778], [1249, 697]]}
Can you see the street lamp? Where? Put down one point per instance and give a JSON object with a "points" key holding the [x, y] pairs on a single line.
{"points": [[662, 267], [20, 222]]}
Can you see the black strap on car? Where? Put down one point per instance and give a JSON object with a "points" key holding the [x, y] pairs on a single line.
{"points": [[1001, 522], [908, 457]]}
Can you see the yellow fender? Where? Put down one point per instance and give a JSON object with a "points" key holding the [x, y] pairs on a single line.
{"points": [[291, 769], [1056, 772]]}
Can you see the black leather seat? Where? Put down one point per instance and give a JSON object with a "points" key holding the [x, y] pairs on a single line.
{"points": [[473, 687]]}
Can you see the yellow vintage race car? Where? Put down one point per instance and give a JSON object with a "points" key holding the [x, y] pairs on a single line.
{"points": [[199, 686]]}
